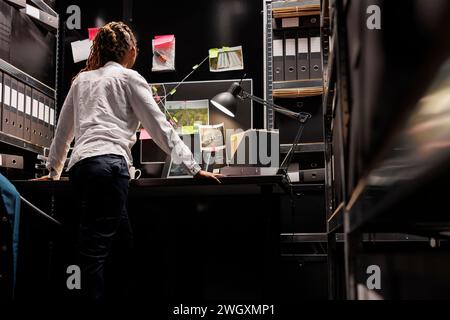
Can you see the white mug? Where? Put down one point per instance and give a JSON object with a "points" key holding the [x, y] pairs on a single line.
{"points": [[134, 173]]}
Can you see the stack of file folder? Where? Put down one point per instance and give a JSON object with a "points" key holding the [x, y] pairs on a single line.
{"points": [[26, 113], [297, 52]]}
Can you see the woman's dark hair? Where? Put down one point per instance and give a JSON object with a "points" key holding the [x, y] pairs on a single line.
{"points": [[110, 44]]}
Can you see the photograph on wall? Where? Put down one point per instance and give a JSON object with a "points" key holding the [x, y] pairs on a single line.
{"points": [[212, 142], [188, 115], [226, 59]]}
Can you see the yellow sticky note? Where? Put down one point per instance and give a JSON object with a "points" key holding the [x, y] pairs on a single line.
{"points": [[225, 49], [213, 53]]}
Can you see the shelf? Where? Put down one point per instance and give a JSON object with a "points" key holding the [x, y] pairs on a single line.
{"points": [[290, 9], [297, 88], [26, 78], [336, 220], [303, 237], [304, 147], [16, 142], [311, 187], [367, 237]]}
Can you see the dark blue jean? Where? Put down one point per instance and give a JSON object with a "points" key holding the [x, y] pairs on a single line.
{"points": [[101, 184]]}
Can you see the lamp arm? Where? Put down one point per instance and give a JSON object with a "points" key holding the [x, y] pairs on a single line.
{"points": [[299, 116], [302, 117]]}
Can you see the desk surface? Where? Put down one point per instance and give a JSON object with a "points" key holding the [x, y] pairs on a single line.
{"points": [[229, 185]]}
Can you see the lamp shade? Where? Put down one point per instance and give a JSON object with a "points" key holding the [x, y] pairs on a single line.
{"points": [[227, 101]]}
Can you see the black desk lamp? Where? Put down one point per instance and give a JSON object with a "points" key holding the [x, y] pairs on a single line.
{"points": [[227, 103]]}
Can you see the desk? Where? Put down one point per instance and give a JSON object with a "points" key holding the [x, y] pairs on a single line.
{"points": [[193, 239]]}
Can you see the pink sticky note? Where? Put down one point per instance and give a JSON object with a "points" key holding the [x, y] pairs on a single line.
{"points": [[167, 36], [163, 41], [144, 135], [93, 32]]}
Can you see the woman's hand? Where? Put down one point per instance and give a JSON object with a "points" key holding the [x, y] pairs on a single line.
{"points": [[208, 175], [43, 178]]}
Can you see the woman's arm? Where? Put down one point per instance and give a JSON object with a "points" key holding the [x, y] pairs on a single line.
{"points": [[63, 138], [155, 122]]}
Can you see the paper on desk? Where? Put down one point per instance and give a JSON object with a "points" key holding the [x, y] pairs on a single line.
{"points": [[294, 172], [81, 50]]}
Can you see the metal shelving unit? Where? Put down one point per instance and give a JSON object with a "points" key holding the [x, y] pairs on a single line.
{"points": [[401, 183], [302, 247], [27, 79]]}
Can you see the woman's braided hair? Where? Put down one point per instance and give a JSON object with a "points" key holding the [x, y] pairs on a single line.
{"points": [[110, 44]]}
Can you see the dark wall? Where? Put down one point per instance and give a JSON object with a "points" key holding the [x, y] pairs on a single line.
{"points": [[199, 26]]}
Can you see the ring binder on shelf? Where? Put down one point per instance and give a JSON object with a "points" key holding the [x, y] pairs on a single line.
{"points": [[52, 120], [20, 110], [1, 100], [311, 21], [34, 117], [46, 122], [6, 120], [303, 56], [13, 110], [315, 67], [28, 106], [290, 57], [41, 125], [278, 60]]}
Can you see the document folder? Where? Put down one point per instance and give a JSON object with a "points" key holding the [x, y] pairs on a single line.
{"points": [[278, 60], [46, 121], [41, 124], [28, 106], [14, 130], [311, 21], [290, 58], [315, 67], [34, 117], [20, 110], [303, 56], [6, 120]]}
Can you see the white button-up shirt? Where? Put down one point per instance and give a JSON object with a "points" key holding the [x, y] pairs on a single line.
{"points": [[102, 112]]}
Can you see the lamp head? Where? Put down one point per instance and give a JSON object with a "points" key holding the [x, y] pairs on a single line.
{"points": [[227, 101]]}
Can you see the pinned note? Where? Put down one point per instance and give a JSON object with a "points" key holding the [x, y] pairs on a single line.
{"points": [[81, 50], [163, 48], [213, 53], [163, 41], [226, 59], [93, 32]]}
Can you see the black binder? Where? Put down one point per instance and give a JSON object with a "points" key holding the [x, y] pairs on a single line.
{"points": [[52, 120], [6, 120], [303, 55], [278, 60], [13, 110], [310, 21], [20, 110], [46, 121], [290, 56], [27, 120], [34, 117], [315, 66], [41, 124]]}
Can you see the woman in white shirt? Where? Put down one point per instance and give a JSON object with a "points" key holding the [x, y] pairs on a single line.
{"points": [[102, 112]]}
